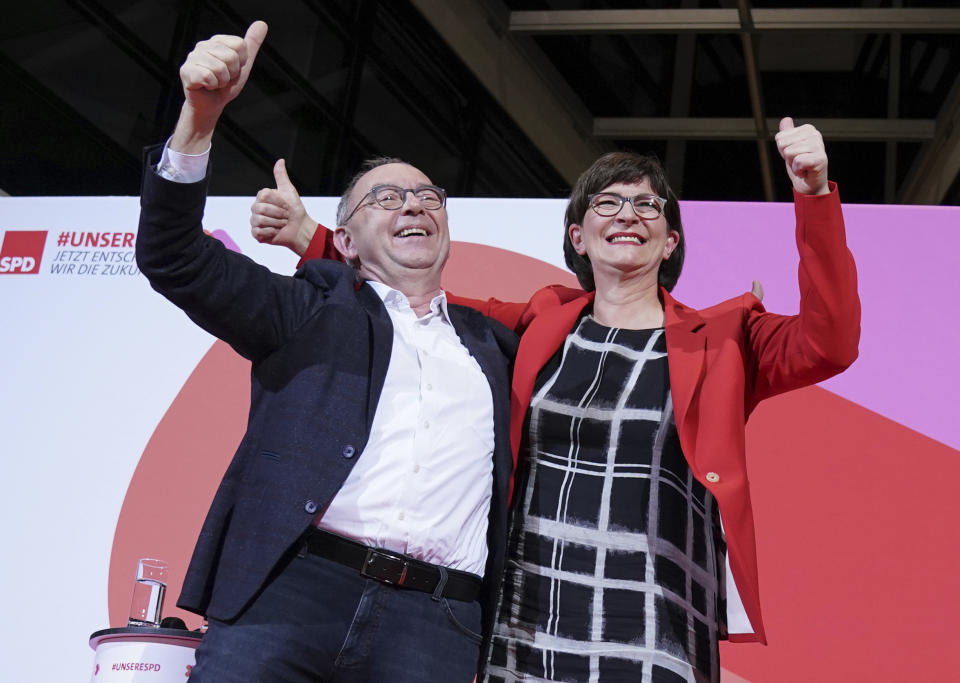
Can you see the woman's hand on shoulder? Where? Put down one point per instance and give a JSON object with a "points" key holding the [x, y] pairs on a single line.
{"points": [[805, 156]]}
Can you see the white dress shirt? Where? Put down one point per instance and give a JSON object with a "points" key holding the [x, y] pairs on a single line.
{"points": [[422, 485]]}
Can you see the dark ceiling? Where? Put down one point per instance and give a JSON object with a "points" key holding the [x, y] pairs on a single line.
{"points": [[493, 97]]}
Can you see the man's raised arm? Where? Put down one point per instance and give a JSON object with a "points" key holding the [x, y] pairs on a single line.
{"points": [[224, 292], [213, 74]]}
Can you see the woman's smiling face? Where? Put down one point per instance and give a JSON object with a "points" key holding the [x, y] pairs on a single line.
{"points": [[625, 243]]}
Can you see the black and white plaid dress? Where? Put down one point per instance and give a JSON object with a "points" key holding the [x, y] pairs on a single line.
{"points": [[615, 563]]}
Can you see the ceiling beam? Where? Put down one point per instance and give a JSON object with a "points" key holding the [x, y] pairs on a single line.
{"points": [[666, 128], [626, 21], [520, 79], [938, 163], [682, 81], [874, 20], [761, 129], [863, 19]]}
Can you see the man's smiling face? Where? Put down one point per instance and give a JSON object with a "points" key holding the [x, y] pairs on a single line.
{"points": [[399, 246]]}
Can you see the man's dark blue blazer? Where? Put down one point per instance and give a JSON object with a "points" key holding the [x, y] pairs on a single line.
{"points": [[320, 346]]}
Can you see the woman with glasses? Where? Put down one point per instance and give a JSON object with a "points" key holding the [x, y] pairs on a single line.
{"points": [[632, 550]]}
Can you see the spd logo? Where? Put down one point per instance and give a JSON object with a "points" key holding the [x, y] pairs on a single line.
{"points": [[22, 251]]}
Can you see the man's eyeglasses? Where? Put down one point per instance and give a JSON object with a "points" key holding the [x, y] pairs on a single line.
{"points": [[644, 205], [391, 198]]}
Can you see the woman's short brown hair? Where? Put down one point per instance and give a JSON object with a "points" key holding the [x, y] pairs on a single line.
{"points": [[622, 167]]}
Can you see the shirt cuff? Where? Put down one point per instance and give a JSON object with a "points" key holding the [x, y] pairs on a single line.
{"points": [[182, 168]]}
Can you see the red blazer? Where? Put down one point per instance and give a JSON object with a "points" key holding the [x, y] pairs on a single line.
{"points": [[723, 360]]}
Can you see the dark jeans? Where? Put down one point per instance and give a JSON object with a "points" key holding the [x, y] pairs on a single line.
{"points": [[318, 621]]}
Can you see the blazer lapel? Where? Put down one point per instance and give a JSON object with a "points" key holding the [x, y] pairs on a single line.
{"points": [[381, 346], [481, 345], [686, 356], [480, 342], [537, 345]]}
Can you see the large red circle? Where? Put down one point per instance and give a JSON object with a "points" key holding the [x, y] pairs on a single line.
{"points": [[178, 473]]}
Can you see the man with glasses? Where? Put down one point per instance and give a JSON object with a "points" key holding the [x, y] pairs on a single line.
{"points": [[360, 528]]}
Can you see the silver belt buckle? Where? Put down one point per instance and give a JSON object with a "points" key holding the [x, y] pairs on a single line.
{"points": [[385, 567]]}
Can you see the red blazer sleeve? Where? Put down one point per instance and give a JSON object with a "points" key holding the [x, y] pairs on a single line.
{"points": [[518, 316], [787, 352], [321, 246], [507, 313]]}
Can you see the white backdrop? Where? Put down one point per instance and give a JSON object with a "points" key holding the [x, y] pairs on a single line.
{"points": [[91, 360]]}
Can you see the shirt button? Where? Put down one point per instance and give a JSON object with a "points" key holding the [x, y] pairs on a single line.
{"points": [[713, 477], [416, 468], [310, 507], [429, 387], [348, 451], [400, 516], [426, 424]]}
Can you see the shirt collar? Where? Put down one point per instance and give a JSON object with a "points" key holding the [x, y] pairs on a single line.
{"points": [[398, 301]]}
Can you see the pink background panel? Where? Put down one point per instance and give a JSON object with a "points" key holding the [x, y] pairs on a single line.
{"points": [[907, 260]]}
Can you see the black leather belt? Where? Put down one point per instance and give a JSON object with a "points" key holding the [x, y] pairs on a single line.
{"points": [[391, 567]]}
